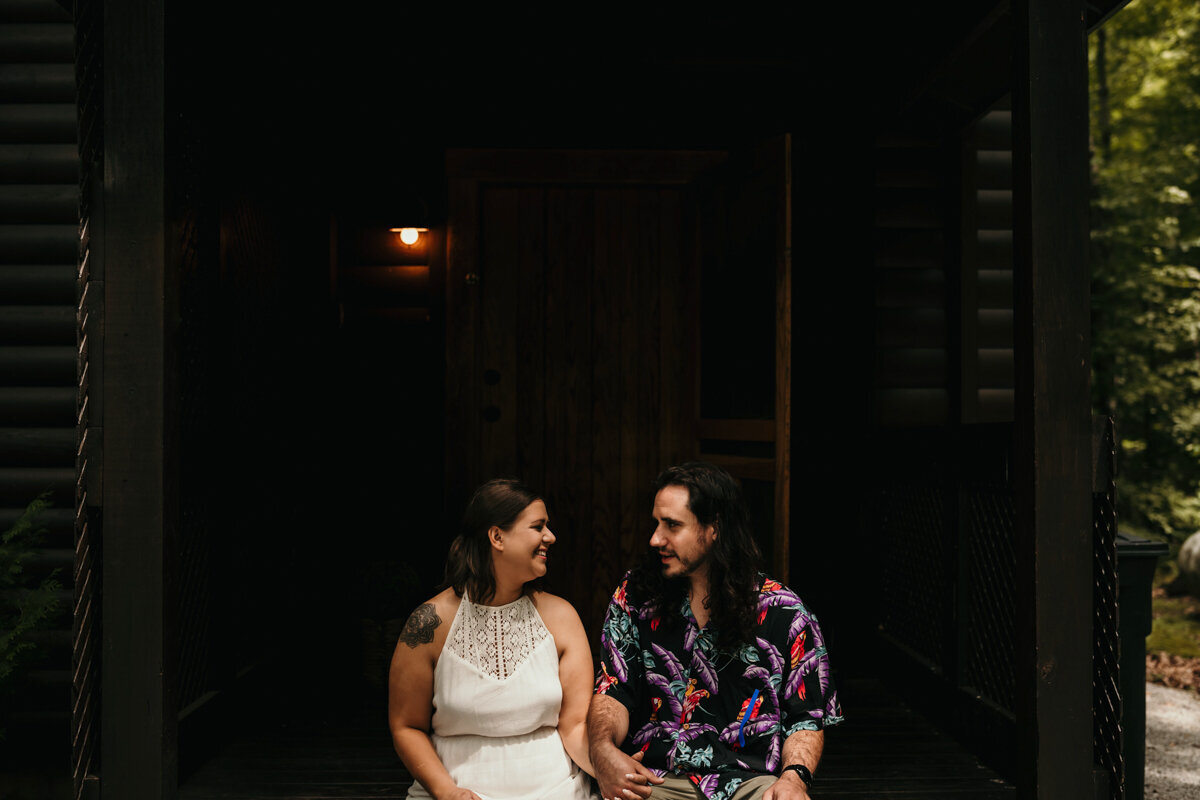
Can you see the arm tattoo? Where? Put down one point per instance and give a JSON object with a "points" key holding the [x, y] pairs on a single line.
{"points": [[420, 626]]}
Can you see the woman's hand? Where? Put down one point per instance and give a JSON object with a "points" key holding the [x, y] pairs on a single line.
{"points": [[622, 777], [459, 793]]}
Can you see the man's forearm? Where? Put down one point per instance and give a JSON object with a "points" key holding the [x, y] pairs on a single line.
{"points": [[804, 747], [607, 721]]}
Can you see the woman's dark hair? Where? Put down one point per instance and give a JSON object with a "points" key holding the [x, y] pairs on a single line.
{"points": [[734, 561], [469, 563]]}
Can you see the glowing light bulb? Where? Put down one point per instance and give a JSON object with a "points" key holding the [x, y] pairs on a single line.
{"points": [[409, 235]]}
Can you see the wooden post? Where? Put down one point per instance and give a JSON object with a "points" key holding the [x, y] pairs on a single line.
{"points": [[138, 723], [1052, 469]]}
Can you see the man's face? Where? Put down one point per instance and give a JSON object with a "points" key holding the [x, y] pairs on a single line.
{"points": [[682, 542]]}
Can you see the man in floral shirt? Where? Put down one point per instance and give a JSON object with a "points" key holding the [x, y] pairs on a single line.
{"points": [[714, 682]]}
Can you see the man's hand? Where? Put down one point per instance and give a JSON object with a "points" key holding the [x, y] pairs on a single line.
{"points": [[620, 776], [789, 787]]}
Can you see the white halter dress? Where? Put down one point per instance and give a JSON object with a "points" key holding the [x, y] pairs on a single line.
{"points": [[496, 698]]}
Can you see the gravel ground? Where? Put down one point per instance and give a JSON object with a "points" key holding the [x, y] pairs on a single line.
{"points": [[1172, 743]]}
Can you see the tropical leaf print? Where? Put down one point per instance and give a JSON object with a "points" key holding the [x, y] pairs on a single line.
{"points": [[801, 621], [651, 731], [704, 668], [668, 659], [666, 689], [812, 660], [783, 599], [684, 734], [690, 635], [620, 670], [619, 598], [760, 675], [708, 784], [700, 757], [774, 748], [604, 681], [728, 791], [774, 658], [747, 654], [833, 709]]}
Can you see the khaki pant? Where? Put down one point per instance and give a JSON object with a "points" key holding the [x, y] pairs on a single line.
{"points": [[677, 788]]}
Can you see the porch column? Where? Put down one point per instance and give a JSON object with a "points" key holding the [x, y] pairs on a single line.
{"points": [[138, 713], [1052, 464]]}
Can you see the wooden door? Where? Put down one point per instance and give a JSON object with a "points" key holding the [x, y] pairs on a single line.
{"points": [[744, 398], [574, 292]]}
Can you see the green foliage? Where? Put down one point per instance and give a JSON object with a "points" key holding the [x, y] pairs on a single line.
{"points": [[1145, 105], [23, 607], [1176, 627]]}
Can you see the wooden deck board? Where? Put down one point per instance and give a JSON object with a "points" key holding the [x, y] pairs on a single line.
{"points": [[882, 750]]}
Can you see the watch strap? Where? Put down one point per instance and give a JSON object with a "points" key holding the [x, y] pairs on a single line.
{"points": [[804, 772]]}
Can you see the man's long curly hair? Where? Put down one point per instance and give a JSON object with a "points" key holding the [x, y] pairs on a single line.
{"points": [[734, 562]]}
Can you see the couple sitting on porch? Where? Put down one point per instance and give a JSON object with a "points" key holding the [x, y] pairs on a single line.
{"points": [[713, 680]]}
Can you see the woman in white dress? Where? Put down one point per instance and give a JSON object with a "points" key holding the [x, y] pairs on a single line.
{"points": [[491, 678]]}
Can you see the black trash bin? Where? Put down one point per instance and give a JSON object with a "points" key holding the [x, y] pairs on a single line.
{"points": [[1136, 560]]}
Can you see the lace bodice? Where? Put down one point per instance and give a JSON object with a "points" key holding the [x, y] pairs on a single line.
{"points": [[497, 640]]}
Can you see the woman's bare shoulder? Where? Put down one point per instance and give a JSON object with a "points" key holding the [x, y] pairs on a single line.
{"points": [[430, 621], [555, 610]]}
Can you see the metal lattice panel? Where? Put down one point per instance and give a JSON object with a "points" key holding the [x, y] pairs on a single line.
{"points": [[85, 657], [914, 584], [1107, 733], [991, 605]]}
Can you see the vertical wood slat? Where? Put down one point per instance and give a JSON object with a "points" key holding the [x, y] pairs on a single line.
{"points": [[138, 725], [606, 551], [568, 448], [530, 376], [673, 354], [1052, 464], [646, 309], [627, 273], [462, 361], [783, 361], [498, 275]]}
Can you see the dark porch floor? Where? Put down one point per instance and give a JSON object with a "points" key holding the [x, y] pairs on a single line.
{"points": [[884, 749]]}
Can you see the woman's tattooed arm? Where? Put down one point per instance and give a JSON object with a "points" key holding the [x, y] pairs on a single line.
{"points": [[420, 626]]}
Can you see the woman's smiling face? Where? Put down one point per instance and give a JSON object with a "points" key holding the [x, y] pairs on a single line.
{"points": [[525, 544]]}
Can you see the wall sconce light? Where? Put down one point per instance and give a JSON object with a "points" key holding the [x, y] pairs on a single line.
{"points": [[409, 236]]}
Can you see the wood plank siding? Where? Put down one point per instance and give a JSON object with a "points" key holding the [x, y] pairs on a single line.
{"points": [[39, 241]]}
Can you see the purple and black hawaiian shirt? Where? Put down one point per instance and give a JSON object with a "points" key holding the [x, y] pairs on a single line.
{"points": [[714, 713]]}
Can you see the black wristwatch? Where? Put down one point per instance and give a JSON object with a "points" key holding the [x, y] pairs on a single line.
{"points": [[804, 772]]}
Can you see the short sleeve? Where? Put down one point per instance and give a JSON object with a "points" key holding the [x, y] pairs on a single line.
{"points": [[809, 698], [621, 667]]}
